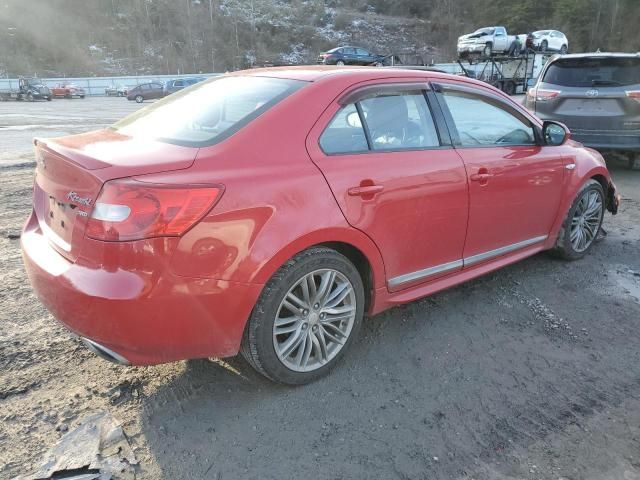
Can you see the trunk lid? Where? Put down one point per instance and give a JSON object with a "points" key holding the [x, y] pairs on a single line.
{"points": [[71, 170]]}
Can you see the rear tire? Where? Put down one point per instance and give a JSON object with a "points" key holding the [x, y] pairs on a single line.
{"points": [[544, 46], [563, 50], [340, 63], [291, 337], [581, 226], [139, 99]]}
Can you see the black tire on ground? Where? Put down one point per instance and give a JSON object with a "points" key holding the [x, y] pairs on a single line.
{"points": [[488, 48], [340, 63], [120, 94], [258, 339], [564, 247], [563, 49], [378, 64], [48, 99], [81, 96], [139, 99], [29, 97]]}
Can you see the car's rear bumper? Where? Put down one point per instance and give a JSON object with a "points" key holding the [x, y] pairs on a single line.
{"points": [[143, 315], [608, 140]]}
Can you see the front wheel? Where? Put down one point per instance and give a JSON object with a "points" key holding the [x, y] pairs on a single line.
{"points": [[487, 50], [340, 63], [306, 317], [563, 49], [139, 98], [582, 224]]}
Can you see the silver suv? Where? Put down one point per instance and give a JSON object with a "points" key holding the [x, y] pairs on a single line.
{"points": [[597, 95]]}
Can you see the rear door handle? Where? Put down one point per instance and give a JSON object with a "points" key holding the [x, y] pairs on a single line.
{"points": [[368, 190], [482, 176]]}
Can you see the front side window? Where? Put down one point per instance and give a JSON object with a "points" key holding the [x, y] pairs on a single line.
{"points": [[209, 112], [483, 122]]}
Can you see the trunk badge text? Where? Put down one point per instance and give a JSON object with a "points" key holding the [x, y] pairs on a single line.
{"points": [[74, 197]]}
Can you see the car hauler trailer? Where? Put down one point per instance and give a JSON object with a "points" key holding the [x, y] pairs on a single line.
{"points": [[511, 74]]}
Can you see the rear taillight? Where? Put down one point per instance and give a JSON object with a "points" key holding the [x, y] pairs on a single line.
{"points": [[133, 210], [542, 95], [633, 94]]}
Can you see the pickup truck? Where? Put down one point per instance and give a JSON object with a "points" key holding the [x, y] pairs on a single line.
{"points": [[487, 41], [67, 90]]}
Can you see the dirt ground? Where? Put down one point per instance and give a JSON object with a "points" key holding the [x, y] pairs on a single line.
{"points": [[532, 372]]}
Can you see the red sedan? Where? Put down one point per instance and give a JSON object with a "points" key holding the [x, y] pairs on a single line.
{"points": [[268, 211]]}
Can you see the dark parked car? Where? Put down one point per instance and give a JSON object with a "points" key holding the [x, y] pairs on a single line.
{"points": [[172, 86], [597, 95], [145, 91], [350, 56]]}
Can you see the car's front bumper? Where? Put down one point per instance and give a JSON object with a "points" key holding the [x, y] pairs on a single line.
{"points": [[139, 311], [471, 48]]}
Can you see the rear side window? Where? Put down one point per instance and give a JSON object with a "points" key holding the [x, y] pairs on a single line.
{"points": [[345, 133], [209, 112], [481, 122], [593, 72], [398, 121]]}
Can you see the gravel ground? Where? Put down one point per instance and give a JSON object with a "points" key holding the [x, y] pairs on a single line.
{"points": [[532, 372]]}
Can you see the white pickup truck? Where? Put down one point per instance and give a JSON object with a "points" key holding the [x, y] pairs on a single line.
{"points": [[487, 41]]}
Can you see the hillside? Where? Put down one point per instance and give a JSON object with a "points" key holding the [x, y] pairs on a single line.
{"points": [[111, 37]]}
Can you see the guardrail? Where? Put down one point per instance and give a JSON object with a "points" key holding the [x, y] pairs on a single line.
{"points": [[95, 86]]}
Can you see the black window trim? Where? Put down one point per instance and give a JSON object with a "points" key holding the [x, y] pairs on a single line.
{"points": [[439, 89], [362, 93]]}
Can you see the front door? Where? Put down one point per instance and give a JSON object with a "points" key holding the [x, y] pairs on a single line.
{"points": [[515, 184], [396, 180]]}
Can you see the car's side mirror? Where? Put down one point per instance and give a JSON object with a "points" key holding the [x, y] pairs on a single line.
{"points": [[555, 133]]}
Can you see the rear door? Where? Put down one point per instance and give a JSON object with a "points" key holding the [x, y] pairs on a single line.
{"points": [[515, 185], [349, 55], [396, 178]]}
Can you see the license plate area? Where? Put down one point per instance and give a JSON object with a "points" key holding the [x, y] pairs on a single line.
{"points": [[59, 218]]}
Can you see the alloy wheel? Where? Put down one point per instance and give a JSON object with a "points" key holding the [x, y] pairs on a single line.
{"points": [[586, 221], [314, 320]]}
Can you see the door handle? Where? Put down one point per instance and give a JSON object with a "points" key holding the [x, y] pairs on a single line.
{"points": [[365, 190], [482, 176]]}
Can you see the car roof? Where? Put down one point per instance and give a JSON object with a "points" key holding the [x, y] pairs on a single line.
{"points": [[600, 55], [349, 75]]}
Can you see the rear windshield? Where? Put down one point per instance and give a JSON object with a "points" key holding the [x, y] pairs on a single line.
{"points": [[594, 72], [207, 112]]}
